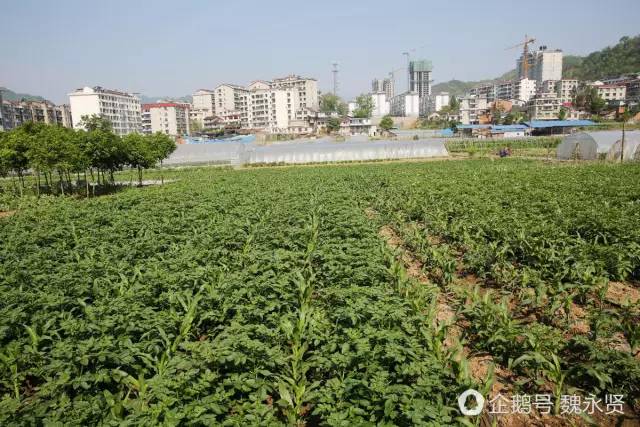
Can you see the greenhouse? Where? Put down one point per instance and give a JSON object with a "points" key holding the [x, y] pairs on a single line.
{"points": [[590, 145], [310, 151], [320, 152], [631, 148], [218, 153]]}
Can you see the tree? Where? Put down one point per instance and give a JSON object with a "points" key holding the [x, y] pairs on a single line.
{"points": [[454, 104], [364, 106], [562, 114], [587, 98], [146, 151], [496, 113], [386, 123], [195, 126], [597, 104], [333, 124], [330, 103], [139, 153], [95, 122]]}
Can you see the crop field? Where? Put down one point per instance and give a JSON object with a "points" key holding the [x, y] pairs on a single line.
{"points": [[370, 294]]}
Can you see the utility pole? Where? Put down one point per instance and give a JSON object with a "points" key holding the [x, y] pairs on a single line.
{"points": [[335, 77], [622, 142]]}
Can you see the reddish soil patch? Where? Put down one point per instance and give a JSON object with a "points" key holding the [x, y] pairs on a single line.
{"points": [[619, 293]]}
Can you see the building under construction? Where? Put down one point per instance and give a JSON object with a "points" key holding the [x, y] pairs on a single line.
{"points": [[420, 77]]}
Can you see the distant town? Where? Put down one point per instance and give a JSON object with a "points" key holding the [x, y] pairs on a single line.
{"points": [[293, 106]]}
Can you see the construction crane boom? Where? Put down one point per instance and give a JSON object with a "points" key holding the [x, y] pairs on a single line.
{"points": [[525, 53]]}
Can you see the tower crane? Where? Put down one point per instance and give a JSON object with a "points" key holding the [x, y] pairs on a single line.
{"points": [[525, 54]]}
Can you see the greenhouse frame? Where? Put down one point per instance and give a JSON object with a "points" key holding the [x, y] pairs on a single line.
{"points": [[305, 151], [596, 145]]}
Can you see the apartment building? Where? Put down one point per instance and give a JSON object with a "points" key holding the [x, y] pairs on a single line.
{"points": [[471, 108], [170, 118], [280, 105], [420, 77], [269, 109], [384, 85], [544, 106], [504, 90], [231, 100], [631, 83], [381, 104], [204, 99], [543, 64], [434, 103], [565, 89], [303, 94], [120, 108], [406, 104], [612, 93], [16, 113], [547, 86], [524, 89], [484, 91]]}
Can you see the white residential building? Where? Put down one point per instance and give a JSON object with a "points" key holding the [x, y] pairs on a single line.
{"points": [[544, 106], [611, 92], [303, 94], [384, 85], [169, 118], [120, 108], [547, 86], [351, 107], [471, 108], [231, 100], [267, 109], [484, 91], [204, 99], [406, 104], [524, 89], [504, 90], [381, 106], [565, 89], [356, 126], [434, 103], [195, 116]]}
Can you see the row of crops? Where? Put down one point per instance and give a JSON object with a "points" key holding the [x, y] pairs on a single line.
{"points": [[269, 297], [528, 147]]}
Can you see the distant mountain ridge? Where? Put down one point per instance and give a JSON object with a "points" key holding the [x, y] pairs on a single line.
{"points": [[144, 99], [622, 58], [9, 95]]}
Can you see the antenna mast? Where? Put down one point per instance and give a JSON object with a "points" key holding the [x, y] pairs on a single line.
{"points": [[335, 77]]}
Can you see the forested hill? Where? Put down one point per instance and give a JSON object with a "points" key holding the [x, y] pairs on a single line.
{"points": [[622, 58], [9, 95]]}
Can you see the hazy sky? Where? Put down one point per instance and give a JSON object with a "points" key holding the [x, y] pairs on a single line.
{"points": [[174, 47]]}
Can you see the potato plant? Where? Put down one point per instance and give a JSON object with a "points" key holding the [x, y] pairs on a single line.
{"points": [[269, 297]]}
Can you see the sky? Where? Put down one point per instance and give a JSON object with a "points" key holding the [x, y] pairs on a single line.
{"points": [[172, 48]]}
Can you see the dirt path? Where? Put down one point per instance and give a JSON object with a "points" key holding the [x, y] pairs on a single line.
{"points": [[6, 214]]}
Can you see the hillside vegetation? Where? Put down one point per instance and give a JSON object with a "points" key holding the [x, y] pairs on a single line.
{"points": [[9, 95]]}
